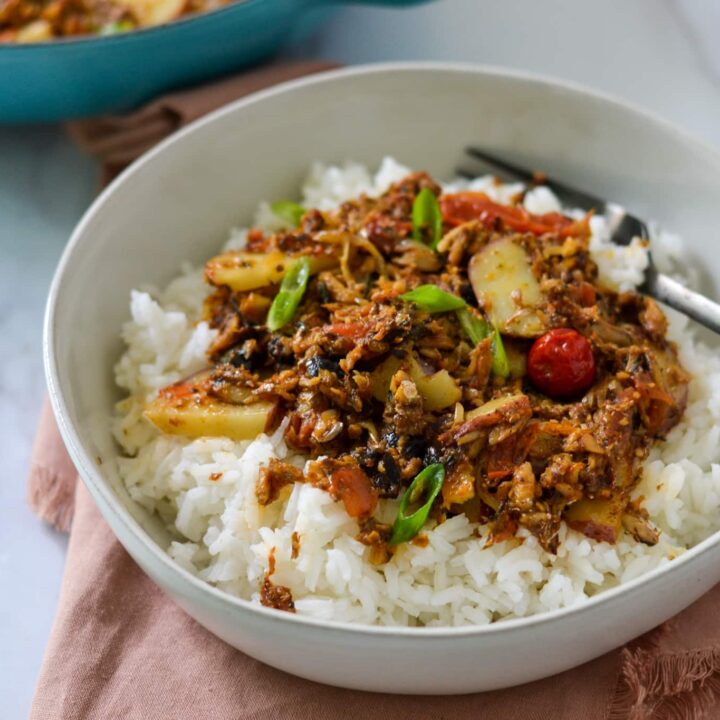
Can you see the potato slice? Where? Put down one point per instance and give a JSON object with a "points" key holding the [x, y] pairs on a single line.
{"points": [[36, 31], [156, 12], [242, 271], [438, 390], [186, 409], [506, 288], [382, 375], [246, 271], [597, 518]]}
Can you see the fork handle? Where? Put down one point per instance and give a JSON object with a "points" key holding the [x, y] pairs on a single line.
{"points": [[676, 295]]}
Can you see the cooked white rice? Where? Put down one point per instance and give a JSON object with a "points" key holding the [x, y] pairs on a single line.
{"points": [[225, 537]]}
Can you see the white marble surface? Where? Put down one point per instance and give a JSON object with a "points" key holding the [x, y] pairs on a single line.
{"points": [[660, 54], [44, 188]]}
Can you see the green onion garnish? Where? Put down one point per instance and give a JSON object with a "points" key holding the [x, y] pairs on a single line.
{"points": [[292, 289], [288, 211], [427, 218], [113, 28], [433, 300], [428, 483], [500, 364], [475, 328]]}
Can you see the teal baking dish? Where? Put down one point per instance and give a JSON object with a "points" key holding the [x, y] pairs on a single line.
{"points": [[91, 75]]}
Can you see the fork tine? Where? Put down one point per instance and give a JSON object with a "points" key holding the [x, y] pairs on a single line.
{"points": [[572, 196]]}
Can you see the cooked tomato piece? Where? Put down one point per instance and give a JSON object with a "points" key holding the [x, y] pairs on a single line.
{"points": [[561, 363], [256, 241], [462, 207], [351, 485], [354, 331]]}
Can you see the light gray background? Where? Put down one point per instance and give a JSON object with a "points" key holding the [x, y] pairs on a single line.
{"points": [[660, 54]]}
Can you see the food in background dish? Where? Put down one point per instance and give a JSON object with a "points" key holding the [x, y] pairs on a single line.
{"points": [[399, 403], [28, 21]]}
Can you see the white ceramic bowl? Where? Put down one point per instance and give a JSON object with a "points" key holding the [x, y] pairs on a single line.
{"points": [[178, 202]]}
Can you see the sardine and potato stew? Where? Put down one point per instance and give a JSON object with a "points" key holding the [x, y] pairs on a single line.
{"points": [[443, 349]]}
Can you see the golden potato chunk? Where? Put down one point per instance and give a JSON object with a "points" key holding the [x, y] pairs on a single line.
{"points": [[186, 409], [438, 390], [242, 271], [156, 12], [597, 518], [36, 31], [506, 288], [246, 271]]}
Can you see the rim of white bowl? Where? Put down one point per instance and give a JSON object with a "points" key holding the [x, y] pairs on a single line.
{"points": [[90, 476]]}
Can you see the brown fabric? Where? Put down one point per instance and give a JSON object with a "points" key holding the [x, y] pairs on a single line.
{"points": [[682, 685], [120, 648], [118, 140], [678, 675]]}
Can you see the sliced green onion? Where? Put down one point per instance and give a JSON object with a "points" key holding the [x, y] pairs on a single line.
{"points": [[113, 28], [433, 300], [500, 364], [288, 211], [427, 483], [475, 328], [427, 218], [292, 289]]}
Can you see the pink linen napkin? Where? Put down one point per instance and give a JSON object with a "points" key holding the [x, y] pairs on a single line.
{"points": [[120, 648]]}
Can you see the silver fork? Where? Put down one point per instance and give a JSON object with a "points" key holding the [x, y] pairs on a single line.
{"points": [[623, 228]]}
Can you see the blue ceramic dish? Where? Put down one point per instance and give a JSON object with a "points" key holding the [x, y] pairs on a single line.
{"points": [[91, 75]]}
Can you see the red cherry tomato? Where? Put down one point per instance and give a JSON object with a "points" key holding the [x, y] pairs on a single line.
{"points": [[561, 363]]}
